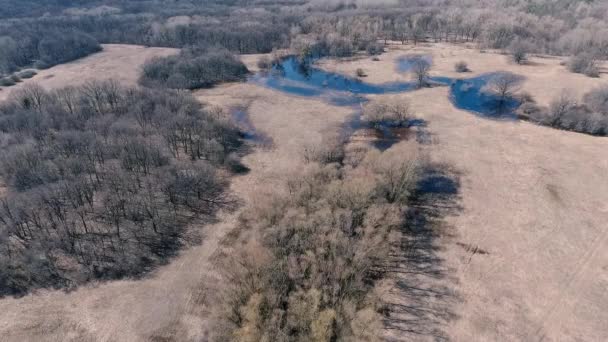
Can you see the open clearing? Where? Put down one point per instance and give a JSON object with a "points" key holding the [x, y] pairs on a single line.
{"points": [[521, 257], [116, 61]]}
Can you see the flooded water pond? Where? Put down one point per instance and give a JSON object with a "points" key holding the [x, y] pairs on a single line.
{"points": [[470, 95], [301, 78]]}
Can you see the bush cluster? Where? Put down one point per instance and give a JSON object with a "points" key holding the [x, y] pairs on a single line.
{"points": [[193, 69], [308, 270], [565, 112]]}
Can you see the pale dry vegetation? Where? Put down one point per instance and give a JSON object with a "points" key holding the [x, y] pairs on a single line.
{"points": [[104, 181], [395, 113], [308, 261], [421, 71]]}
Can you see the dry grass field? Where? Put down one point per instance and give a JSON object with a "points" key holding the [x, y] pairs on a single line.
{"points": [[117, 61], [533, 198], [518, 253]]}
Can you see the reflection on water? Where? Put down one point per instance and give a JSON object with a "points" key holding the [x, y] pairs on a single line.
{"points": [[301, 78], [469, 94]]}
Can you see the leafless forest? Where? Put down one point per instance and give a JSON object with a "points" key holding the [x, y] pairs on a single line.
{"points": [[103, 181]]}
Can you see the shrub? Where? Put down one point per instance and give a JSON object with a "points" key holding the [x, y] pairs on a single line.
{"points": [[591, 117], [519, 51], [15, 78], [421, 68], [583, 63], [374, 48], [7, 82], [27, 74], [597, 100], [461, 66], [360, 72], [390, 112]]}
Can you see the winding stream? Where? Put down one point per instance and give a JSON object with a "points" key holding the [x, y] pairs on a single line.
{"points": [[301, 78]]}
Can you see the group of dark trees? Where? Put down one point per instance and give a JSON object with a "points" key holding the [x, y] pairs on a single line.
{"points": [[336, 28], [42, 48], [306, 266], [193, 68], [101, 181]]}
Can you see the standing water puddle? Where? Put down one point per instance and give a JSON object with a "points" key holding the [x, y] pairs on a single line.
{"points": [[468, 94], [301, 78]]}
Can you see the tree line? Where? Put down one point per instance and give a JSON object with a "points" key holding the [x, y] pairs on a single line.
{"points": [[193, 68], [102, 180], [588, 115], [42, 48], [335, 28]]}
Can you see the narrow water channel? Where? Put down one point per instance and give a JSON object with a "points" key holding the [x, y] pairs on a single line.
{"points": [[301, 78]]}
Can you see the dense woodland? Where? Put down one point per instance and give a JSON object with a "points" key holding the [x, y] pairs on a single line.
{"points": [[51, 32], [102, 181], [193, 68]]}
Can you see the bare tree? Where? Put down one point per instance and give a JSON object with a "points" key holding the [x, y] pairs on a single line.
{"points": [[597, 100], [519, 51], [421, 69], [31, 96], [503, 85], [560, 107], [391, 112], [584, 63]]}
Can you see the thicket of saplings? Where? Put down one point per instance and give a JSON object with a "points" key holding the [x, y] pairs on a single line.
{"points": [[307, 265], [101, 181], [587, 116], [193, 68]]}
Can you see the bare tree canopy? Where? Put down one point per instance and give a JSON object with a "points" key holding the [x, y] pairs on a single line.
{"points": [[421, 68], [504, 85], [102, 181]]}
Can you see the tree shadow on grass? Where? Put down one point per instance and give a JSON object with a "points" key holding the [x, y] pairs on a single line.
{"points": [[420, 305]]}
